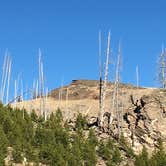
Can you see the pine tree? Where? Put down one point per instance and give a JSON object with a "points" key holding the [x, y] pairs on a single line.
{"points": [[17, 154], [89, 151], [81, 122], [159, 156], [142, 159], [3, 146], [34, 116]]}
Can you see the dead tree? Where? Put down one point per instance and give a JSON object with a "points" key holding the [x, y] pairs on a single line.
{"points": [[100, 80], [67, 96], [162, 68], [36, 89], [28, 91], [46, 102], [103, 87], [60, 96], [116, 100], [2, 79], [9, 63], [41, 87], [137, 76], [5, 82], [22, 90], [15, 90]]}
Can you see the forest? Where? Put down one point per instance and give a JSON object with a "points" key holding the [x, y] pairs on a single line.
{"points": [[29, 138]]}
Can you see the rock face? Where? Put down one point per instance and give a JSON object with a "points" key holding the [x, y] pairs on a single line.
{"points": [[144, 114]]}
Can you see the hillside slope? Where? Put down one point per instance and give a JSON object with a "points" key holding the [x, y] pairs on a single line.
{"points": [[81, 96]]}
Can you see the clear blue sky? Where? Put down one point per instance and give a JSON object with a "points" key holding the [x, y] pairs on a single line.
{"points": [[67, 33]]}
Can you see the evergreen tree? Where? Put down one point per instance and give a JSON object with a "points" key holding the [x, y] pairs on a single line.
{"points": [[17, 154], [81, 122], [89, 151], [34, 116], [142, 159], [3, 146], [159, 156], [110, 153], [76, 150], [31, 153]]}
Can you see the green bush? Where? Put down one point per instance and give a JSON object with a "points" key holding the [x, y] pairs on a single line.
{"points": [[81, 122]]}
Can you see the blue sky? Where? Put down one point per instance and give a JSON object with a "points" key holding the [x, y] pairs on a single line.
{"points": [[67, 33]]}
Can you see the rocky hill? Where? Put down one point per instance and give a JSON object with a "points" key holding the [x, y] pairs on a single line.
{"points": [[144, 114]]}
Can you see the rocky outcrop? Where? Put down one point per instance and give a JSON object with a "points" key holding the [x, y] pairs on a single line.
{"points": [[144, 110]]}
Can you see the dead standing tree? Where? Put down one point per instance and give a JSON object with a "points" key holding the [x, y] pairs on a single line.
{"points": [[5, 82], [162, 68], [9, 64], [41, 91], [103, 84], [137, 76], [100, 81], [117, 111]]}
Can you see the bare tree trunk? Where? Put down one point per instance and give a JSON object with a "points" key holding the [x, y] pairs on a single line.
{"points": [[163, 66], [137, 76], [100, 81], [15, 91], [104, 87], [3, 75], [9, 63], [41, 87], [116, 99]]}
